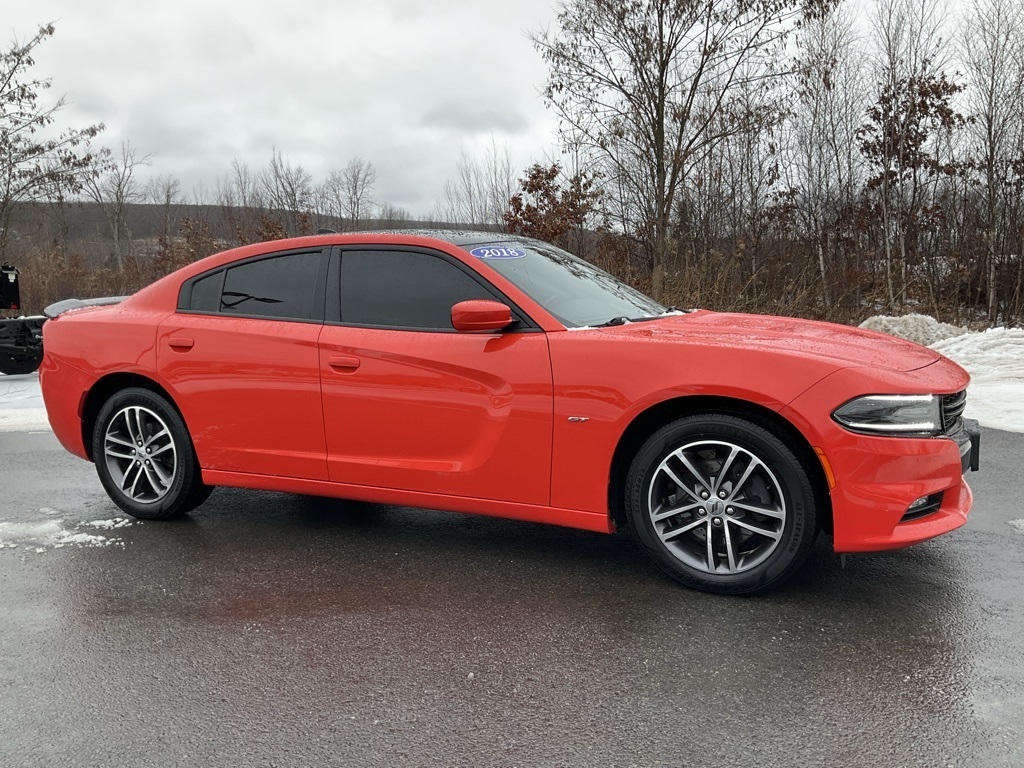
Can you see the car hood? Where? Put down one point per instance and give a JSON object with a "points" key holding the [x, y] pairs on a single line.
{"points": [[841, 344]]}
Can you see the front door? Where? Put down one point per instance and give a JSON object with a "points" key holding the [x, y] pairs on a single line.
{"points": [[412, 404]]}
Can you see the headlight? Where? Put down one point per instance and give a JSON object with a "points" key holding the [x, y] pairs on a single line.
{"points": [[899, 415]]}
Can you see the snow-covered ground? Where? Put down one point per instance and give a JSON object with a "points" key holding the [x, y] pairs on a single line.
{"points": [[994, 358], [21, 404]]}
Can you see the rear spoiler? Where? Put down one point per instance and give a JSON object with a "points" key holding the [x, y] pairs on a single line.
{"points": [[67, 305]]}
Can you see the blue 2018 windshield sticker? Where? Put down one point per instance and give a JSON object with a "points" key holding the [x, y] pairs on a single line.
{"points": [[493, 252]]}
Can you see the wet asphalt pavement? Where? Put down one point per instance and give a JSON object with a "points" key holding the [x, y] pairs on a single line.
{"points": [[275, 630]]}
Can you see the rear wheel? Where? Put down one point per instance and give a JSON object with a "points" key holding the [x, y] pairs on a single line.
{"points": [[144, 456], [722, 504]]}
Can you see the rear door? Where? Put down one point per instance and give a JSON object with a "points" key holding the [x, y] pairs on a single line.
{"points": [[241, 357], [410, 403]]}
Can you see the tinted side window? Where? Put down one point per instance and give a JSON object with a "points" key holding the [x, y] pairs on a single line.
{"points": [[282, 286], [403, 290]]}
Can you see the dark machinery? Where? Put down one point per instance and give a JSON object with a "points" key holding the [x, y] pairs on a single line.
{"points": [[21, 338]]}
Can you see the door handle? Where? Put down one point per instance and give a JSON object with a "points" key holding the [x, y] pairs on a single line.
{"points": [[343, 362], [181, 343]]}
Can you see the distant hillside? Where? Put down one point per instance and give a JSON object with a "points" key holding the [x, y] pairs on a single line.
{"points": [[85, 224]]}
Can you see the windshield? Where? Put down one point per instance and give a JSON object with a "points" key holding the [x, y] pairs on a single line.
{"points": [[576, 292]]}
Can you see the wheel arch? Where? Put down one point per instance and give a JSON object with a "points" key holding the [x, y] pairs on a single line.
{"points": [[655, 417], [107, 386]]}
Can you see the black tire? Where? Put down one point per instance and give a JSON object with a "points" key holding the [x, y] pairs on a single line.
{"points": [[20, 365], [163, 482], [758, 508], [200, 493]]}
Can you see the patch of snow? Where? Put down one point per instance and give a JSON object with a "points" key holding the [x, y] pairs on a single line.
{"points": [[20, 391], [993, 355], [21, 404], [20, 532], [39, 536], [83, 539], [24, 420], [1018, 524], [117, 522]]}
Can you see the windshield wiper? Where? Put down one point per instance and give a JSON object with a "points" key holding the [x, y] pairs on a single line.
{"points": [[622, 320]]}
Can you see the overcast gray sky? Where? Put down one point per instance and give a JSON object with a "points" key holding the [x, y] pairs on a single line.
{"points": [[403, 84]]}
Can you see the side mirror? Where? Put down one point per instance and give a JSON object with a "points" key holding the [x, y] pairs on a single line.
{"points": [[480, 315]]}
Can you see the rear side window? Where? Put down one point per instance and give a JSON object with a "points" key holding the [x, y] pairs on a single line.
{"points": [[399, 289], [206, 293], [282, 287]]}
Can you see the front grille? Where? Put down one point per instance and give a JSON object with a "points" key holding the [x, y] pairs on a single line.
{"points": [[953, 411]]}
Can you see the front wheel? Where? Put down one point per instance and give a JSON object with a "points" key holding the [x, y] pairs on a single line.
{"points": [[721, 504], [144, 456]]}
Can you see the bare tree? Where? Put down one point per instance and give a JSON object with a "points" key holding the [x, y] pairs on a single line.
{"points": [[993, 54], [240, 201], [288, 191], [393, 216], [480, 192], [358, 181], [164, 191], [32, 166], [648, 85], [113, 191], [347, 195], [824, 169]]}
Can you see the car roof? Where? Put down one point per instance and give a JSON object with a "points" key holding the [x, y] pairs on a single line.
{"points": [[457, 237]]}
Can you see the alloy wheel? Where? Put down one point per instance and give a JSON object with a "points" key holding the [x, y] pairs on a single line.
{"points": [[140, 454], [717, 507]]}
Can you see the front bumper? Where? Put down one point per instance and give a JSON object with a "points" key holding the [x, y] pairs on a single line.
{"points": [[879, 478], [968, 439]]}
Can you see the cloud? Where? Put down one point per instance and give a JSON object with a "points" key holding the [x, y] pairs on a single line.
{"points": [[475, 116], [401, 83]]}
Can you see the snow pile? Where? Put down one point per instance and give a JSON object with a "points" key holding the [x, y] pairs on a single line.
{"points": [[51, 534], [920, 329], [993, 355], [994, 358]]}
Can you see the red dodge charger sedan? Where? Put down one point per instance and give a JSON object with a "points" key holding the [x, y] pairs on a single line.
{"points": [[487, 373]]}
